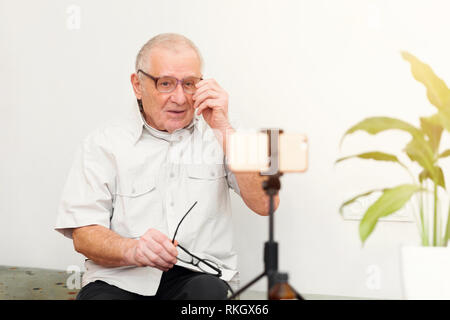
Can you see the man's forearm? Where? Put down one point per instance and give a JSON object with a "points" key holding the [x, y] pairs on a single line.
{"points": [[252, 192], [250, 183], [103, 246]]}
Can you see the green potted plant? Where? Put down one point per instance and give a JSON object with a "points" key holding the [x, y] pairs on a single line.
{"points": [[427, 184]]}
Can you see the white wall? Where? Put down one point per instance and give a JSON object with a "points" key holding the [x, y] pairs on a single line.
{"points": [[315, 67]]}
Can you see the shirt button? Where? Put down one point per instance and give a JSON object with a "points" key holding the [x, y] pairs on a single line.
{"points": [[171, 203], [213, 174], [180, 138], [172, 175]]}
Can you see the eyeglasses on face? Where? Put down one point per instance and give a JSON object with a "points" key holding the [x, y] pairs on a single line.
{"points": [[168, 84]]}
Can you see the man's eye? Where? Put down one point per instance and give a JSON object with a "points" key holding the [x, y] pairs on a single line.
{"points": [[165, 83], [189, 84]]}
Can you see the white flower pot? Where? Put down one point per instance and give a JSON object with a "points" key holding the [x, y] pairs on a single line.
{"points": [[425, 272]]}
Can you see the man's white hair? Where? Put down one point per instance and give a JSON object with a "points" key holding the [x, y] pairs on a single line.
{"points": [[172, 41]]}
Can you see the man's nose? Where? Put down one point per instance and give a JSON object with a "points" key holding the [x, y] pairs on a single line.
{"points": [[178, 96]]}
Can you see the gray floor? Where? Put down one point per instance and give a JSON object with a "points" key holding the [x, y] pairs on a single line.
{"points": [[18, 283], [257, 295], [34, 284]]}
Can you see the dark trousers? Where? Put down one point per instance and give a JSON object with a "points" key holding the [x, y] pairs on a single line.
{"points": [[176, 284]]}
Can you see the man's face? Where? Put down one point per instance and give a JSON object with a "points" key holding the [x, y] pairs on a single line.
{"points": [[173, 110]]}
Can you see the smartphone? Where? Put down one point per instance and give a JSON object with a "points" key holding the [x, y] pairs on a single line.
{"points": [[267, 151]]}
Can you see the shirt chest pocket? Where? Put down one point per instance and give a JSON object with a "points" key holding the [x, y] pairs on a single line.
{"points": [[206, 172], [207, 184], [138, 205]]}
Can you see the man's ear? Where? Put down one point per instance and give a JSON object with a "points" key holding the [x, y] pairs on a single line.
{"points": [[136, 83]]}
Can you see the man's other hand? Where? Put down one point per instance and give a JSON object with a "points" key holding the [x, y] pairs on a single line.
{"points": [[153, 249]]}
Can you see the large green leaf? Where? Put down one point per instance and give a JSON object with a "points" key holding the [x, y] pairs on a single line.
{"points": [[376, 125], [350, 201], [374, 155], [444, 118], [445, 154], [439, 176], [433, 129], [420, 151], [437, 91], [389, 202]]}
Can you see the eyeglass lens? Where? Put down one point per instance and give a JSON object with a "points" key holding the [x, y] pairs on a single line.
{"points": [[204, 265], [168, 84]]}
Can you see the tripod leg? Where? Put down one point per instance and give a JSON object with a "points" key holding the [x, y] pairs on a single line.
{"points": [[246, 286], [297, 295]]}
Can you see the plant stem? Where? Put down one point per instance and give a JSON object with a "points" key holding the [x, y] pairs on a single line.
{"points": [[447, 231], [422, 227], [439, 225], [422, 219], [427, 215], [435, 216]]}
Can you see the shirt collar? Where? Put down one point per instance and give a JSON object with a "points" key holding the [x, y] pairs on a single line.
{"points": [[140, 124]]}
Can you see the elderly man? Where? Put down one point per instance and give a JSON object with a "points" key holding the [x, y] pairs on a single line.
{"points": [[147, 199]]}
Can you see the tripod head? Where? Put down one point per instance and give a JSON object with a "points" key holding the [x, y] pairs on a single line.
{"points": [[272, 185]]}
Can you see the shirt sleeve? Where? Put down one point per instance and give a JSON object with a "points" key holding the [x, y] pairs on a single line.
{"points": [[231, 178], [87, 197]]}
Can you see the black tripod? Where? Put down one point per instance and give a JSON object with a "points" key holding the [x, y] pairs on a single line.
{"points": [[271, 186]]}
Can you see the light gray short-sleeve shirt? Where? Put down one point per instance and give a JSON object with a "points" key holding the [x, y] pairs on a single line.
{"points": [[130, 177]]}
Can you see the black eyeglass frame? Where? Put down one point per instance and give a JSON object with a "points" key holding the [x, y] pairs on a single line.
{"points": [[200, 260], [155, 79]]}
